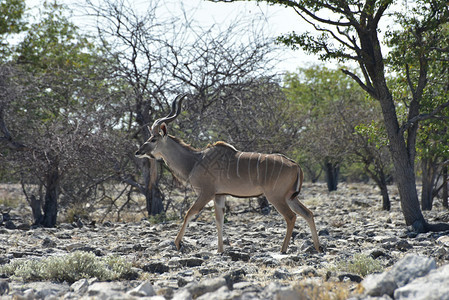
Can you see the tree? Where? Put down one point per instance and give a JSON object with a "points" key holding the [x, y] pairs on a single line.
{"points": [[159, 57], [253, 116], [370, 147], [339, 124], [318, 93], [350, 31], [61, 108], [422, 76], [11, 22]]}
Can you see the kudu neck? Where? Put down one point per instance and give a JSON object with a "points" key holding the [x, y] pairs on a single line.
{"points": [[180, 157]]}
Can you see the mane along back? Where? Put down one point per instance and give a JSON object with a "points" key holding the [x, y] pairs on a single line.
{"points": [[222, 144]]}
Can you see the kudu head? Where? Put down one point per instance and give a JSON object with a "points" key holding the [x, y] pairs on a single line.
{"points": [[155, 145]]}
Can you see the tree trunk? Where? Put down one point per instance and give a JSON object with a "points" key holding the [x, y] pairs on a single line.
{"points": [[152, 194], [332, 172], [428, 180], [154, 201], [404, 167], [36, 208], [386, 205], [51, 197], [445, 184]]}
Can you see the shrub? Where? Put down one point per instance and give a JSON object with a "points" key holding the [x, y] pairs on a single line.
{"points": [[360, 264], [70, 268]]}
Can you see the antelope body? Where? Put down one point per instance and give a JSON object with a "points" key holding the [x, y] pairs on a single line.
{"points": [[221, 170]]}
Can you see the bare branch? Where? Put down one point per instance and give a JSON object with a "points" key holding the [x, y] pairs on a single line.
{"points": [[365, 87], [422, 117]]}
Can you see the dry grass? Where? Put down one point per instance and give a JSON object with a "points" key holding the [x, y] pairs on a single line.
{"points": [[323, 291], [11, 195]]}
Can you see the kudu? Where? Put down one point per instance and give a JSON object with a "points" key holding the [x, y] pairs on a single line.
{"points": [[221, 170]]}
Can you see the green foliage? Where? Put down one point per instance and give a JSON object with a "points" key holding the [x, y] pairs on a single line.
{"points": [[11, 16], [11, 22], [161, 218], [332, 104], [374, 132], [54, 42], [419, 57], [70, 268], [359, 264]]}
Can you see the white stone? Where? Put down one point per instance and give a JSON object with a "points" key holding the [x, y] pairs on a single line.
{"points": [[434, 286], [145, 289]]}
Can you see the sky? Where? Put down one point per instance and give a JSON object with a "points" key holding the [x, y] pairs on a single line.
{"points": [[276, 20]]}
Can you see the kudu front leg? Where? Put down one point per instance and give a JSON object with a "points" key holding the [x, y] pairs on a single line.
{"points": [[219, 204], [196, 207]]}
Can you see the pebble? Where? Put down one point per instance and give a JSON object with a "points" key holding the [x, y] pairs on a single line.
{"points": [[349, 222]]}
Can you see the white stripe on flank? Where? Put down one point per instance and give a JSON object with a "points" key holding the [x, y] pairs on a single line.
{"points": [[238, 160], [280, 170], [249, 168], [274, 165], [258, 162], [229, 166], [266, 169]]}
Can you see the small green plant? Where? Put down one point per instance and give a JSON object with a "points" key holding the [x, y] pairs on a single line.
{"points": [[75, 212], [70, 268], [360, 264], [161, 218]]}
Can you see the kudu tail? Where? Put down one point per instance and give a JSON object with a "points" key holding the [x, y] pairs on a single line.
{"points": [[298, 183]]}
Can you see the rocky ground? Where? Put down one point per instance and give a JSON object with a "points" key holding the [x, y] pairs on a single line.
{"points": [[356, 235]]}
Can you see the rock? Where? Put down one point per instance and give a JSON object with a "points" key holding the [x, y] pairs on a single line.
{"points": [[6, 216], [403, 246], [375, 253], [410, 267], [182, 295], [350, 277], [10, 225], [48, 243], [443, 240], [4, 287], [74, 246], [281, 273], [237, 255], [323, 232], [23, 226], [191, 262], [156, 267], [44, 290], [434, 286], [306, 271], [222, 293], [80, 287], [234, 276], [385, 239], [105, 289], [145, 289], [379, 284], [361, 202], [251, 266], [205, 286]]}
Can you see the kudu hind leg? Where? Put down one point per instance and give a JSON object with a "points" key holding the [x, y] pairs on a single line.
{"points": [[304, 212], [196, 207], [289, 216], [219, 204]]}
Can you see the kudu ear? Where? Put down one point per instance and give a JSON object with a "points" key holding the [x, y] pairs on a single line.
{"points": [[163, 129]]}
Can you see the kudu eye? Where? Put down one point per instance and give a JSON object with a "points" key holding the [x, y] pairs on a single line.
{"points": [[153, 140]]}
